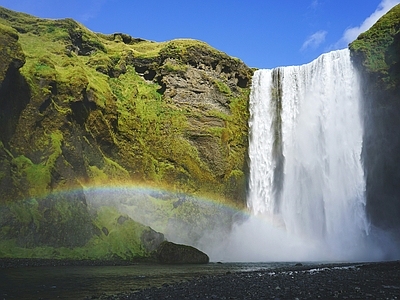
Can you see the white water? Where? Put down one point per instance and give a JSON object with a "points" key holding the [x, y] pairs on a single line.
{"points": [[306, 190]]}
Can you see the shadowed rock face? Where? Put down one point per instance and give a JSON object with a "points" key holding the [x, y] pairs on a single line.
{"points": [[14, 91], [170, 253], [377, 56]]}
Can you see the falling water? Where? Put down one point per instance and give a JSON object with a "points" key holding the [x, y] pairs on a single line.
{"points": [[306, 173]]}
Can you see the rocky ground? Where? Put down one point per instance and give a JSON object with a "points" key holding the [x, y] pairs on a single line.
{"points": [[328, 281], [341, 281]]}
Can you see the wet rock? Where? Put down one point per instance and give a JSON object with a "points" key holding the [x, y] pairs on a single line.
{"points": [[171, 253], [121, 220]]}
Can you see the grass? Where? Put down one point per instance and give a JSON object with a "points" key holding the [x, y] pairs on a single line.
{"points": [[9, 31], [377, 48], [222, 87]]}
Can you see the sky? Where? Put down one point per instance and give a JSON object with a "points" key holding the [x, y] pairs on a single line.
{"points": [[262, 33]]}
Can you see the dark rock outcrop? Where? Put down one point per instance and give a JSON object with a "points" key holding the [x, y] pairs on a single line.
{"points": [[171, 253], [377, 55]]}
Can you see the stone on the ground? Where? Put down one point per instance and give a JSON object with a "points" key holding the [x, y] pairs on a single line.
{"points": [[171, 253]]}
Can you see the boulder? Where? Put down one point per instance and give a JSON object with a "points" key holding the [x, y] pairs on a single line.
{"points": [[171, 253]]}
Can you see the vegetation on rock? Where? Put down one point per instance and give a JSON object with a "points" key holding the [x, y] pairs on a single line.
{"points": [[377, 50], [79, 108]]}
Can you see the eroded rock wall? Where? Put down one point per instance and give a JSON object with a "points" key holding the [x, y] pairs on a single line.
{"points": [[377, 55]]}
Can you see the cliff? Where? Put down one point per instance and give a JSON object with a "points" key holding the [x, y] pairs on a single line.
{"points": [[376, 54], [80, 109]]}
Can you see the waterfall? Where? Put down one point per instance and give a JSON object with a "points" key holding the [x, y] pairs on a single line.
{"points": [[307, 187], [306, 172]]}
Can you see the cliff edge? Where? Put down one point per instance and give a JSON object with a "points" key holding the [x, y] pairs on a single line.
{"points": [[376, 54]]}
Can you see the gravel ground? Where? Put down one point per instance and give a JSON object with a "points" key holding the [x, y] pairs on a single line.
{"points": [[379, 280], [338, 281]]}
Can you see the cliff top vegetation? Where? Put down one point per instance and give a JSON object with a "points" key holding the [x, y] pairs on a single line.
{"points": [[378, 49]]}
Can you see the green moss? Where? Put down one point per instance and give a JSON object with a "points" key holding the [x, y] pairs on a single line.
{"points": [[122, 241], [114, 170], [44, 68], [175, 67], [234, 141], [10, 249], [4, 231], [375, 47], [101, 63], [216, 131], [237, 130], [26, 212], [222, 87], [97, 175], [73, 80], [36, 176], [123, 238], [4, 29], [56, 139]]}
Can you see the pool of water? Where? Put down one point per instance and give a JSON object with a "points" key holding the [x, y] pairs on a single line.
{"points": [[72, 282]]}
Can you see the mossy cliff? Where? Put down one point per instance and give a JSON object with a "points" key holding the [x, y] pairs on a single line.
{"points": [[377, 55], [79, 108]]}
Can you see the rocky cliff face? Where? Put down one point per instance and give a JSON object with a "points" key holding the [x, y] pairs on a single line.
{"points": [[377, 55], [79, 109]]}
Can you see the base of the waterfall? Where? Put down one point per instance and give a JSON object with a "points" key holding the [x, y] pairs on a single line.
{"points": [[344, 281]]}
